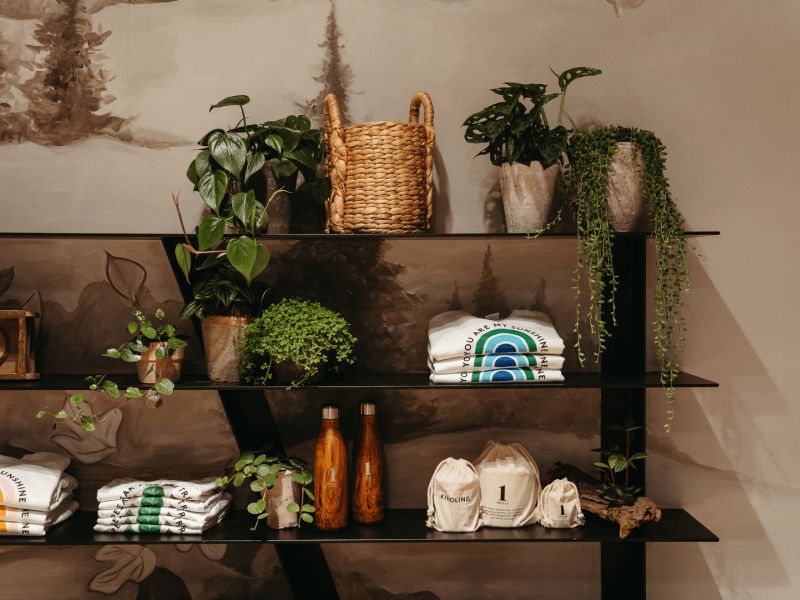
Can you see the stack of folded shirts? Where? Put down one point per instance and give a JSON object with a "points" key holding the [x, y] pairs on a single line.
{"points": [[162, 506], [524, 347], [35, 493]]}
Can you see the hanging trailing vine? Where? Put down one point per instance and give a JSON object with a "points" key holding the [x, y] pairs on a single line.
{"points": [[590, 155]]}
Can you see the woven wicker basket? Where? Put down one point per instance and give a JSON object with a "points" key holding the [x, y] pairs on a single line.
{"points": [[381, 173]]}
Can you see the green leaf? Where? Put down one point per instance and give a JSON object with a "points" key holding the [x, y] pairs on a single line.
{"points": [[210, 231], [165, 386], [263, 470], [308, 508], [159, 314], [212, 188], [307, 518], [307, 477], [262, 516], [132, 327], [184, 257], [293, 507], [204, 140], [275, 142], [291, 137], [275, 468], [308, 493], [219, 482], [553, 143], [112, 353], [76, 399], [149, 332], [175, 343], [270, 479], [239, 479], [571, 75], [253, 164], [61, 415], [243, 254], [321, 189], [252, 508], [40, 414], [297, 477], [110, 388], [129, 356], [229, 150], [138, 346], [262, 505], [260, 459], [160, 353], [87, 425], [282, 167], [240, 465], [257, 485], [303, 123], [261, 262], [239, 100], [133, 392], [202, 164], [243, 205], [601, 465], [248, 457], [302, 155], [639, 455]]}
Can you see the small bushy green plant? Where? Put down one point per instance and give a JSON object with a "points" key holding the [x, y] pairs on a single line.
{"points": [[301, 331], [618, 461], [220, 294], [267, 466]]}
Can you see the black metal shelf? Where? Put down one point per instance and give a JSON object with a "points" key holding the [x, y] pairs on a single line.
{"points": [[338, 236], [385, 381], [400, 525]]}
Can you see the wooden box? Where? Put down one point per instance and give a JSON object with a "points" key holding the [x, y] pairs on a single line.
{"points": [[16, 348]]}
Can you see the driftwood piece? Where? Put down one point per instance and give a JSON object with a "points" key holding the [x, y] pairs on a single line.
{"points": [[627, 517]]}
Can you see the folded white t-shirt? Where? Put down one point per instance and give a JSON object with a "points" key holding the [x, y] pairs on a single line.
{"points": [[155, 515], [501, 376], [33, 481], [158, 528], [455, 334], [487, 362], [23, 515], [162, 501], [35, 529], [185, 490]]}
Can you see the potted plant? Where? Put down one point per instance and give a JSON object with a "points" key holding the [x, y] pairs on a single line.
{"points": [[597, 184], [283, 484], [526, 150], [619, 493], [224, 306], [296, 339], [161, 343]]}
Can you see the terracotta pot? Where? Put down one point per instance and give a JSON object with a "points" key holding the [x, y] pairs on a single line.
{"points": [[527, 195], [285, 491], [220, 336], [287, 371], [169, 367], [617, 503], [624, 200]]}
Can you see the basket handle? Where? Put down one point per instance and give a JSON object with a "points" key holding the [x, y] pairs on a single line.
{"points": [[424, 99], [331, 117]]}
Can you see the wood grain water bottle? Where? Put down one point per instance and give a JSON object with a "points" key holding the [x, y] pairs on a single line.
{"points": [[368, 465], [330, 473]]}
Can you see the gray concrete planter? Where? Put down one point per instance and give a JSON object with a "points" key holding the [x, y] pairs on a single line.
{"points": [[220, 336], [624, 199], [527, 195]]}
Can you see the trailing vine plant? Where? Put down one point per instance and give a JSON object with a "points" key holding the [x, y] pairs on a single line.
{"points": [[590, 153]]}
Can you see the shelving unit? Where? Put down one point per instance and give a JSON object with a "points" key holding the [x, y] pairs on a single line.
{"points": [[622, 388]]}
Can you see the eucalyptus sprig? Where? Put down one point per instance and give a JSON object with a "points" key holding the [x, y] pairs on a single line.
{"points": [[130, 352], [618, 461], [265, 467], [590, 154]]}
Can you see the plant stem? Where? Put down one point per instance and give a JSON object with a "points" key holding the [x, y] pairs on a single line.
{"points": [[561, 108]]}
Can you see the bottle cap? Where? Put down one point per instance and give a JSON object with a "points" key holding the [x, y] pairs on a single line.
{"points": [[367, 408], [330, 411]]}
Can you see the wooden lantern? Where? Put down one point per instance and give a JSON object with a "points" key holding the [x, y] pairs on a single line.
{"points": [[16, 349]]}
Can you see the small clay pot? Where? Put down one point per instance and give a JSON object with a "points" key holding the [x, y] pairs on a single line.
{"points": [[169, 367], [285, 491], [220, 336]]}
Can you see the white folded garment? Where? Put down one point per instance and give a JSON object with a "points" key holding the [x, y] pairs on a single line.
{"points": [[185, 490], [501, 376], [147, 528], [35, 529], [160, 515], [33, 481], [456, 334], [160, 501], [23, 515], [487, 362]]}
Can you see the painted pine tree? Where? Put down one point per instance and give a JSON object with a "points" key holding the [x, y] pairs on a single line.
{"points": [[455, 301], [489, 298], [65, 92], [336, 76]]}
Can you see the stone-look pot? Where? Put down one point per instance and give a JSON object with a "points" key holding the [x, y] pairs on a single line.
{"points": [[527, 195], [624, 200], [287, 371], [285, 491], [220, 336], [169, 367]]}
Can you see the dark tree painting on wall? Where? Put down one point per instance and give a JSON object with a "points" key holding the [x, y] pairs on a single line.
{"points": [[63, 101]]}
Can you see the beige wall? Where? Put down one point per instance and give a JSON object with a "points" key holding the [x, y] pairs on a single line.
{"points": [[717, 80]]}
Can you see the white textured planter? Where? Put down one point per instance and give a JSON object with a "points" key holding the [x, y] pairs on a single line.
{"points": [[624, 200], [220, 336], [527, 195], [285, 491]]}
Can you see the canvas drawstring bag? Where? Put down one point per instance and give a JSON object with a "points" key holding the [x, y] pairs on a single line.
{"points": [[510, 485], [560, 505], [454, 497]]}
